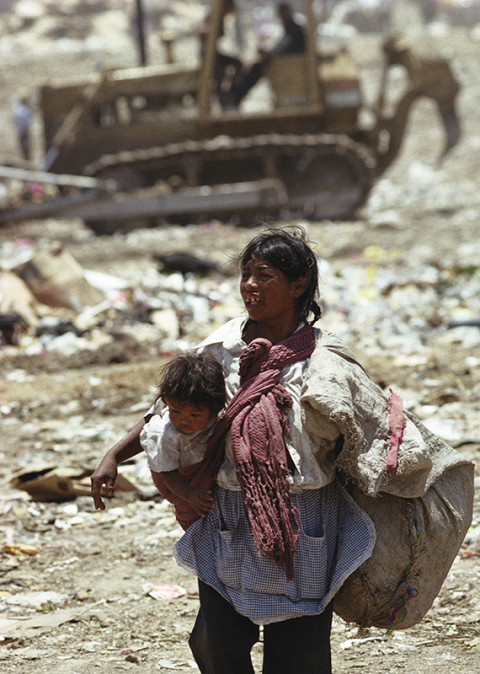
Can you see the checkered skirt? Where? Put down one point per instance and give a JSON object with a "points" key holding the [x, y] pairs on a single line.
{"points": [[336, 537]]}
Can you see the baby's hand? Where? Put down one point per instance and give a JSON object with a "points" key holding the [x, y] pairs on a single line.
{"points": [[201, 501]]}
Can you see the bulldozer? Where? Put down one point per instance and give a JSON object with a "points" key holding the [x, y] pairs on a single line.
{"points": [[141, 146]]}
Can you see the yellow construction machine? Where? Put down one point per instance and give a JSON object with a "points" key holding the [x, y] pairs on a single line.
{"points": [[135, 147]]}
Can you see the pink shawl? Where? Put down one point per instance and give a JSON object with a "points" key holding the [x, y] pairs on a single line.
{"points": [[256, 417]]}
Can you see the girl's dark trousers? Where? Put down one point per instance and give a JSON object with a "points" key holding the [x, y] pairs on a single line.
{"points": [[222, 639]]}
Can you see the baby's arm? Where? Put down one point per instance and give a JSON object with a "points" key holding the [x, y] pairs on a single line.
{"points": [[200, 499]]}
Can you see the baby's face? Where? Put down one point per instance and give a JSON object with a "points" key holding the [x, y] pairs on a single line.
{"points": [[189, 418]]}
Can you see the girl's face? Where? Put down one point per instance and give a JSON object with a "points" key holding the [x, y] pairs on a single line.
{"points": [[267, 294], [189, 418]]}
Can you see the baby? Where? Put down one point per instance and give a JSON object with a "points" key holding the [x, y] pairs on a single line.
{"points": [[192, 389]]}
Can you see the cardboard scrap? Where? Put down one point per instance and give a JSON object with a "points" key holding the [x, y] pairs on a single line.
{"points": [[20, 549], [55, 278], [60, 483]]}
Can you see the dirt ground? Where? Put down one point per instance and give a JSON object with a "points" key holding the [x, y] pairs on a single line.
{"points": [[81, 602]]}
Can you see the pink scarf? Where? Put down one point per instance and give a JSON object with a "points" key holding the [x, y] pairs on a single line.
{"points": [[256, 416]]}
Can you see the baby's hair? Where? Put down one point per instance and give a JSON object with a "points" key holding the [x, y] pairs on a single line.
{"points": [[289, 252], [195, 378]]}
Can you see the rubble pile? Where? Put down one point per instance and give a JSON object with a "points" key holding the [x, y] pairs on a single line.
{"points": [[64, 308], [73, 581], [379, 301]]}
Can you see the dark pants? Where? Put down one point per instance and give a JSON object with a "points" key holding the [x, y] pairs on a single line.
{"points": [[222, 639], [249, 80]]}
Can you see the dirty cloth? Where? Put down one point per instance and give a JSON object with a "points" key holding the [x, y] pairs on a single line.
{"points": [[257, 423], [310, 453], [338, 390], [287, 358]]}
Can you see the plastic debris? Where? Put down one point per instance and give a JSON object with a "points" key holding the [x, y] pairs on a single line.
{"points": [[20, 549], [472, 543], [164, 590]]}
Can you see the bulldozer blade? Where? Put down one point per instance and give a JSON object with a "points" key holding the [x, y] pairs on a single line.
{"points": [[37, 176], [267, 194]]}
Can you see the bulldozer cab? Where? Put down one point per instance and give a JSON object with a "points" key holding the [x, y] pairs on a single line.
{"points": [[287, 74], [295, 79], [318, 88]]}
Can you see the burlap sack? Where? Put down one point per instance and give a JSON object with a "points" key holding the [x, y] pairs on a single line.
{"points": [[421, 509], [417, 541]]}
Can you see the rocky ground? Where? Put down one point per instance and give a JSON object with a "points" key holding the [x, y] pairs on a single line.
{"points": [[84, 591]]}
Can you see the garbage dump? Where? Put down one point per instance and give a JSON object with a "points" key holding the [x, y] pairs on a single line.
{"points": [[82, 590], [409, 311]]}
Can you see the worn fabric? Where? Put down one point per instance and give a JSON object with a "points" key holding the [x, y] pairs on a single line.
{"points": [[184, 514], [335, 538], [257, 432], [417, 541], [338, 391], [169, 449], [335, 535], [256, 417]]}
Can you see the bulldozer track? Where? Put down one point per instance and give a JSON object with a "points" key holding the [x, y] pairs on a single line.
{"points": [[325, 175]]}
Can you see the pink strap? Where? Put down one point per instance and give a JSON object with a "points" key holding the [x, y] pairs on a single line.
{"points": [[397, 424]]}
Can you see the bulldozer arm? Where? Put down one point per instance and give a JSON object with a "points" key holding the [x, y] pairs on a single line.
{"points": [[451, 124], [428, 77]]}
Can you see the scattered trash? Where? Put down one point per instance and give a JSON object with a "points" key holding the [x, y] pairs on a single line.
{"points": [[348, 643], [450, 430], [185, 263], [60, 483], [373, 298], [164, 591], [12, 326], [472, 543], [55, 278], [37, 600], [20, 549], [31, 628], [17, 299]]}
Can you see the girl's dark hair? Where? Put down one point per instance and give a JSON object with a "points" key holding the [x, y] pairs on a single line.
{"points": [[194, 378], [288, 252]]}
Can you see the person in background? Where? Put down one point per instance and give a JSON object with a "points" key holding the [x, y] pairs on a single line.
{"points": [[22, 117], [227, 67], [292, 42]]}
